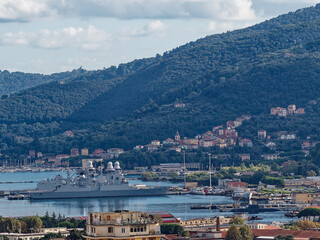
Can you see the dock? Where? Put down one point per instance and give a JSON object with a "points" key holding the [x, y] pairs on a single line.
{"points": [[221, 207]]}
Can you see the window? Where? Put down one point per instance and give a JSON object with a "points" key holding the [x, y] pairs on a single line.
{"points": [[110, 229], [108, 218], [131, 229], [123, 230]]}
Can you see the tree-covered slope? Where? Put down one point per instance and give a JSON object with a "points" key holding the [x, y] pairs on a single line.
{"points": [[54, 101], [12, 82], [219, 77]]}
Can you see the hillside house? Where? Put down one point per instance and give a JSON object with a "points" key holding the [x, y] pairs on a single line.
{"points": [[282, 112], [179, 105], [32, 153], [245, 142], [271, 145], [177, 149], [61, 156], [230, 124], [287, 136], [152, 148], [191, 141], [300, 111], [68, 134], [168, 141], [138, 147], [84, 152], [98, 152], [155, 143], [291, 108], [270, 156], [262, 134], [115, 152], [206, 143], [244, 156], [237, 123], [74, 152], [233, 134], [275, 111]]}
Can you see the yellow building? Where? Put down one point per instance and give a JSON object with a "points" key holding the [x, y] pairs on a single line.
{"points": [[305, 198], [204, 222], [124, 225]]}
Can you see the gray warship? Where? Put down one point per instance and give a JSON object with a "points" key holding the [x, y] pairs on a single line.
{"points": [[93, 183]]}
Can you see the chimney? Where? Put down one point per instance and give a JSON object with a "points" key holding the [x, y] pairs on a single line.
{"points": [[218, 224]]}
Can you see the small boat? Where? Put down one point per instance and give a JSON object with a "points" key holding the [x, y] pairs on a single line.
{"points": [[241, 193], [198, 191], [17, 197], [255, 209], [254, 218], [291, 214]]}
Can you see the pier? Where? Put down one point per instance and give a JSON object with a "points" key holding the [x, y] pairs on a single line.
{"points": [[17, 182]]}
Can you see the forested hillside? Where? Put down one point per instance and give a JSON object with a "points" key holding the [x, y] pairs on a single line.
{"points": [[12, 82], [219, 77]]}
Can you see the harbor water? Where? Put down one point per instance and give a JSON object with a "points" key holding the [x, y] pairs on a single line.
{"points": [[178, 205]]}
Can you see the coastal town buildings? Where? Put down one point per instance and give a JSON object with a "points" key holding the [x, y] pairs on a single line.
{"points": [[34, 235], [284, 112], [122, 224], [306, 198]]}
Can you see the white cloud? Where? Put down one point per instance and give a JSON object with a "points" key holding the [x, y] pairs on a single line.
{"points": [[89, 38], [218, 27], [28, 10], [24, 10], [294, 1], [156, 28]]}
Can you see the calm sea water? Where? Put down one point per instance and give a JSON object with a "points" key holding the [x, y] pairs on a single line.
{"points": [[178, 205]]}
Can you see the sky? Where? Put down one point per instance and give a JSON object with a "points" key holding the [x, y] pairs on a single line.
{"points": [[48, 36]]}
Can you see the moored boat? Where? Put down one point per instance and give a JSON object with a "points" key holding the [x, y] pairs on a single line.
{"points": [[93, 183]]}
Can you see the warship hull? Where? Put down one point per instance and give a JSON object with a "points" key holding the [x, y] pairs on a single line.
{"points": [[100, 194]]}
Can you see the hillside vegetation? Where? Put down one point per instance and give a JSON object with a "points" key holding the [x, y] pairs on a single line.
{"points": [[219, 77], [12, 82]]}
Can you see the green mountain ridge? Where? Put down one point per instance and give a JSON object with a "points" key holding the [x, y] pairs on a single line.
{"points": [[219, 78], [13, 82]]}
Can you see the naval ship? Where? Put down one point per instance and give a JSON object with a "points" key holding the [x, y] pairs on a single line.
{"points": [[93, 183]]}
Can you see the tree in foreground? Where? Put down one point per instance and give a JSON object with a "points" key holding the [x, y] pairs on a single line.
{"points": [[305, 225], [288, 237], [246, 232], [236, 220], [172, 228], [233, 233]]}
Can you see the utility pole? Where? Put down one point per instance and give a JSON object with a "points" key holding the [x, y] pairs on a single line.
{"points": [[209, 154], [184, 167]]}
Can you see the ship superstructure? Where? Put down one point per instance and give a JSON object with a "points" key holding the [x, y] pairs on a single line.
{"points": [[93, 182]]}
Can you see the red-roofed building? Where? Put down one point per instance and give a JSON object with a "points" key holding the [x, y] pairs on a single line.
{"points": [[245, 142], [301, 235], [68, 134], [166, 217], [98, 152], [232, 185], [230, 124], [300, 111], [74, 152]]}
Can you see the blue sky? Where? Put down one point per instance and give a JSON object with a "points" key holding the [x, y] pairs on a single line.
{"points": [[47, 36]]}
